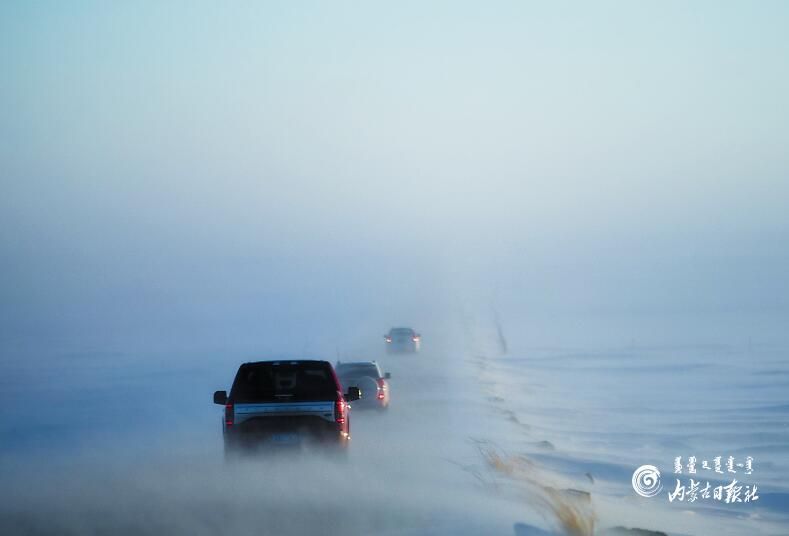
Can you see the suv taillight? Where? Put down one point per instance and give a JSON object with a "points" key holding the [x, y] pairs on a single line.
{"points": [[339, 412], [229, 414], [381, 386]]}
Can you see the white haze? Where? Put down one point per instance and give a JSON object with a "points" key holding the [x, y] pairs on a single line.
{"points": [[184, 187]]}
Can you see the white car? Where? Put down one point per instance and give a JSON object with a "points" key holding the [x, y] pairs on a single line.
{"points": [[373, 383]]}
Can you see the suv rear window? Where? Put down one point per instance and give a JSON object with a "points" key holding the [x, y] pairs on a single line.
{"points": [[355, 371], [284, 381]]}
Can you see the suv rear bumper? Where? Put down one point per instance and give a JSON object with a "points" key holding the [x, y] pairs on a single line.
{"points": [[284, 432]]}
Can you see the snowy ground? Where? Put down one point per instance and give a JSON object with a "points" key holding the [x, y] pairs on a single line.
{"points": [[480, 439]]}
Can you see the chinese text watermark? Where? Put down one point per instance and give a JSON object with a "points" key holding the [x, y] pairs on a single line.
{"points": [[647, 480]]}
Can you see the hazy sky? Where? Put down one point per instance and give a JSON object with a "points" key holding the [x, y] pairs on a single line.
{"points": [[207, 166]]}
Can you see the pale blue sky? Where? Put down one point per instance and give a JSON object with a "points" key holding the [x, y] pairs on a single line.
{"points": [[191, 156]]}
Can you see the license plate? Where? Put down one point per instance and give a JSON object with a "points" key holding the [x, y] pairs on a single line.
{"points": [[284, 438]]}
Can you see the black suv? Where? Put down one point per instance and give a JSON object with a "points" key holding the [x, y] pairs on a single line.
{"points": [[286, 403]]}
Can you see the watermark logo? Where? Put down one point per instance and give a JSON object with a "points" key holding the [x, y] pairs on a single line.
{"points": [[646, 481]]}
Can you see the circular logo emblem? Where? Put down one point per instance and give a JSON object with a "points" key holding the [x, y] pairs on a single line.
{"points": [[646, 481]]}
